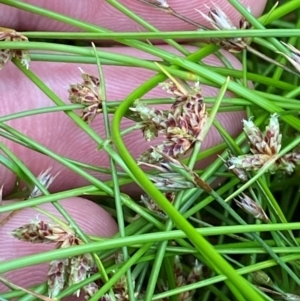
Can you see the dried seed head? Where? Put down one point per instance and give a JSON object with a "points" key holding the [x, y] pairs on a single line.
{"points": [[152, 206], [46, 179], [249, 162], [90, 290], [293, 57], [171, 182], [9, 35], [272, 136], [148, 119], [196, 273], [79, 269], [220, 21], [120, 289], [106, 297], [180, 93], [35, 232], [253, 133], [41, 232], [183, 277], [239, 172], [87, 93], [252, 208], [119, 258], [61, 272], [264, 147], [173, 175], [288, 162], [57, 276], [182, 126], [91, 82]]}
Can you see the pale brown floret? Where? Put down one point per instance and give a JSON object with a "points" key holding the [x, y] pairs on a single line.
{"points": [[62, 272], [183, 277], [79, 269], [181, 126], [42, 232], [252, 208], [293, 57], [46, 179], [57, 274], [264, 147], [10, 35], [87, 93], [172, 175], [220, 21]]}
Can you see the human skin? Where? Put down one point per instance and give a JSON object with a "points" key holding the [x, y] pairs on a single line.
{"points": [[58, 133]]}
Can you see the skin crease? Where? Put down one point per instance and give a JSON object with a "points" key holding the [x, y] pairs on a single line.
{"points": [[58, 133]]}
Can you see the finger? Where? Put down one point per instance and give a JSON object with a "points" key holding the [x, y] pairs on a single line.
{"points": [[102, 14], [90, 217], [58, 133]]}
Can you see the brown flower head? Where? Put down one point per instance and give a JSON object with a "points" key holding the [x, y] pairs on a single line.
{"points": [[91, 289], [182, 278], [10, 35], [173, 175], [35, 232], [87, 93], [152, 206], [148, 119], [293, 57], [79, 269], [57, 275], [238, 172], [182, 125], [220, 21], [42, 232], [46, 179], [264, 147], [252, 208]]}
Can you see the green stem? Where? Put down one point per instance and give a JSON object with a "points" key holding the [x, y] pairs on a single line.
{"points": [[202, 245]]}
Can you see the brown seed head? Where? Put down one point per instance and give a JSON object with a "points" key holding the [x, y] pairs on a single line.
{"points": [[87, 93], [252, 208], [220, 21], [9, 35]]}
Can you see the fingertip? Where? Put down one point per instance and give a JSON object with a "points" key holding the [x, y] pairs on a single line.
{"points": [[102, 14], [90, 217]]}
